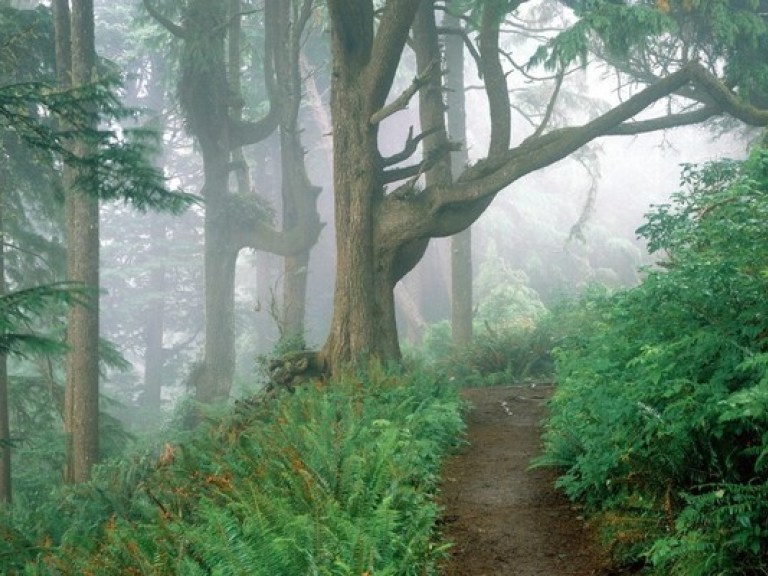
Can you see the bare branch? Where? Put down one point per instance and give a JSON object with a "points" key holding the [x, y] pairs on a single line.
{"points": [[416, 170], [551, 104], [401, 102], [411, 145]]}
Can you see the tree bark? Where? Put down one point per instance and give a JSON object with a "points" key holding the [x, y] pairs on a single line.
{"points": [[82, 226], [363, 319], [6, 489], [461, 243]]}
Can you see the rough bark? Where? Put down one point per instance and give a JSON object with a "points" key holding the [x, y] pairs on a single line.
{"points": [[363, 70], [82, 228]]}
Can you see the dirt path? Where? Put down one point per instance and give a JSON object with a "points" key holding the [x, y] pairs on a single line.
{"points": [[502, 518]]}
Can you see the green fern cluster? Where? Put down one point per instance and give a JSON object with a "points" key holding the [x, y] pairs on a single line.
{"points": [[329, 480], [660, 419]]}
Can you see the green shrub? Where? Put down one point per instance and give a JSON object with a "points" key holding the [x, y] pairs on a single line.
{"points": [[661, 413]]}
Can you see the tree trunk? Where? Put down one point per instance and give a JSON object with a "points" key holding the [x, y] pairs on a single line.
{"points": [[461, 243], [75, 46], [220, 260], [154, 327], [363, 321], [6, 491], [232, 221], [298, 195]]}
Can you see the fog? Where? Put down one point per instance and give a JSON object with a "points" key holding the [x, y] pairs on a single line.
{"points": [[550, 234]]}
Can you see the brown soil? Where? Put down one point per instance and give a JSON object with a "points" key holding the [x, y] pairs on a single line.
{"points": [[502, 518]]}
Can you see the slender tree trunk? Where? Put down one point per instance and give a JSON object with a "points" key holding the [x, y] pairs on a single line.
{"points": [[75, 46], [154, 327], [298, 194], [461, 243], [6, 491]]}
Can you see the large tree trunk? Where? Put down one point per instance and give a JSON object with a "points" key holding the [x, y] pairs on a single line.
{"points": [[75, 46], [363, 315], [363, 320]]}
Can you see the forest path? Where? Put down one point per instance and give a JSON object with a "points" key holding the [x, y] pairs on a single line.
{"points": [[502, 518]]}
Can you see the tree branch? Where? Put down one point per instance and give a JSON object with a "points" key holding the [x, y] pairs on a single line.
{"points": [[388, 44], [664, 122], [551, 105], [445, 210], [411, 145], [166, 23], [422, 167], [401, 102]]}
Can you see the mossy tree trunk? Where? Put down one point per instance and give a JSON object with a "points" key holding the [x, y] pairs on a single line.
{"points": [[233, 221]]}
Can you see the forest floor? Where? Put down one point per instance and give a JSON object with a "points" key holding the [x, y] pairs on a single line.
{"points": [[503, 518]]}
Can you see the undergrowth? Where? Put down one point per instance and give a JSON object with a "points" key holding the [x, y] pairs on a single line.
{"points": [[334, 479], [660, 420]]}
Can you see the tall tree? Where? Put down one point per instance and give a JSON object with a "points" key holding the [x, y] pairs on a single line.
{"points": [[299, 196], [380, 233], [461, 243], [5, 425], [76, 57], [232, 221]]}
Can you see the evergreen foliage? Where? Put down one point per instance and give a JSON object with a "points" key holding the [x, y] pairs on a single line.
{"points": [[659, 422], [334, 479]]}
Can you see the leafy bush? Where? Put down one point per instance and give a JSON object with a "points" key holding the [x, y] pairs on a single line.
{"points": [[329, 480], [659, 422]]}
